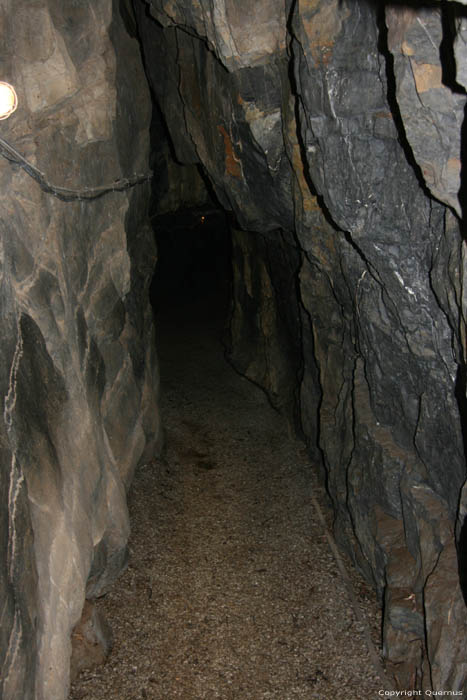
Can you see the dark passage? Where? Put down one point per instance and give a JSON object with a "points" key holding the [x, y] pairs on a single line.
{"points": [[232, 591], [193, 263]]}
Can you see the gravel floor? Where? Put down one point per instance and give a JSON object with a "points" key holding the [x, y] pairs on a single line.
{"points": [[232, 591]]}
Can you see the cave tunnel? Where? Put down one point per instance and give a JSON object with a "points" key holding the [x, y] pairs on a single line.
{"points": [[233, 376], [193, 259]]}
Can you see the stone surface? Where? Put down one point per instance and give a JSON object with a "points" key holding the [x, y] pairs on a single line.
{"points": [[341, 168], [175, 186], [91, 641], [78, 375], [242, 34], [428, 96], [264, 333], [331, 132], [235, 132], [396, 368]]}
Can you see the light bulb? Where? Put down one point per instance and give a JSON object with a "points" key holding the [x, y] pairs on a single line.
{"points": [[8, 100]]}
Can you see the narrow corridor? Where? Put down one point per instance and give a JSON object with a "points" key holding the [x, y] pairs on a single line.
{"points": [[232, 591]]}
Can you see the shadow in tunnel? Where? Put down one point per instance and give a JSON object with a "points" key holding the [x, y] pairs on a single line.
{"points": [[193, 263]]}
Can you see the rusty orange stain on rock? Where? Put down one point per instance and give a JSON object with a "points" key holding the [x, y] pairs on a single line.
{"points": [[309, 201], [406, 49], [398, 21], [383, 115], [454, 164], [428, 76], [451, 173], [326, 52], [232, 163], [322, 22]]}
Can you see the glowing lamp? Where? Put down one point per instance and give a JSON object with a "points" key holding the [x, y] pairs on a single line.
{"points": [[8, 100]]}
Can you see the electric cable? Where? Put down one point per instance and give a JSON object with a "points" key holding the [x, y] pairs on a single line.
{"points": [[64, 193]]}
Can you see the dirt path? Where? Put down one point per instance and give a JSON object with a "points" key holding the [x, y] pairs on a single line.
{"points": [[231, 591]]}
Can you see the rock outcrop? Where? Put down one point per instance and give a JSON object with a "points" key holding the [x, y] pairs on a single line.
{"points": [[334, 135], [78, 373]]}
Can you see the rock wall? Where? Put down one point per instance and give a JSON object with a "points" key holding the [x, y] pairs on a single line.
{"points": [[264, 334], [333, 132], [175, 186], [395, 399], [78, 375]]}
